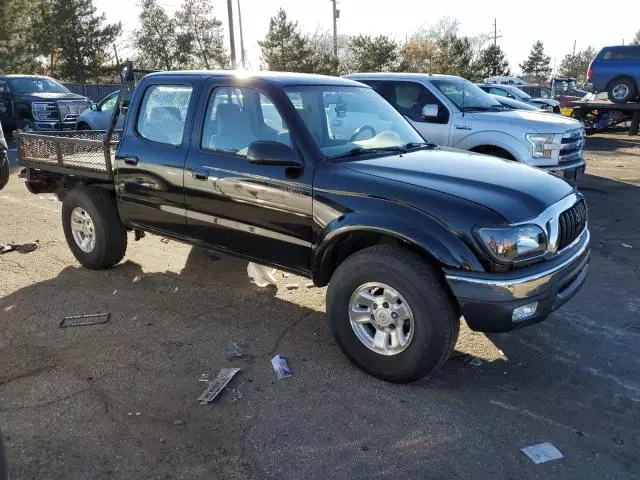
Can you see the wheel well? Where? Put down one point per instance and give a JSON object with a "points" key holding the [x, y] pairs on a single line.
{"points": [[352, 242], [493, 150]]}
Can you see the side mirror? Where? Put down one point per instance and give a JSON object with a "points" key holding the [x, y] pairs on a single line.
{"points": [[273, 153], [430, 110], [94, 106]]}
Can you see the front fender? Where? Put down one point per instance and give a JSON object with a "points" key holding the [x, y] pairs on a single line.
{"points": [[426, 235], [511, 144]]}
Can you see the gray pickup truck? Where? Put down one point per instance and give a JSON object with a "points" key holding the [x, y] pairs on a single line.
{"points": [[453, 112]]}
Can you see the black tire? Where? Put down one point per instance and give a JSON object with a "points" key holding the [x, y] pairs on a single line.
{"points": [[26, 125], [5, 170], [626, 84], [436, 322], [109, 232]]}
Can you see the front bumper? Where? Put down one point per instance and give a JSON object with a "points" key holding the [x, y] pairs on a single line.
{"points": [[42, 126], [569, 170], [487, 300]]}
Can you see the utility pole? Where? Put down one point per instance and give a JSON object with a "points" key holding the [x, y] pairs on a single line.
{"points": [[336, 15], [574, 48], [495, 32], [231, 39], [242, 59]]}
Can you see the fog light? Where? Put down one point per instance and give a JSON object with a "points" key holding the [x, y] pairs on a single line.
{"points": [[524, 312]]}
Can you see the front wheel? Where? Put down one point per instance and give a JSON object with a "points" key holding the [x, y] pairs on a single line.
{"points": [[391, 315], [92, 227], [622, 90]]}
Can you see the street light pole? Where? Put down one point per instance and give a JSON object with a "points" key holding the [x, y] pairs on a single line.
{"points": [[232, 42], [336, 14]]}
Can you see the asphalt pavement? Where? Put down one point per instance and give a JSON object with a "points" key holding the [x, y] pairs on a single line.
{"points": [[118, 400]]}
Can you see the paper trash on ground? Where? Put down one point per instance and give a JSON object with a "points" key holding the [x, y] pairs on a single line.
{"points": [[281, 366], [217, 385], [542, 452]]}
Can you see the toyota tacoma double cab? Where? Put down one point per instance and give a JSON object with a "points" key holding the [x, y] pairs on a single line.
{"points": [[407, 235]]}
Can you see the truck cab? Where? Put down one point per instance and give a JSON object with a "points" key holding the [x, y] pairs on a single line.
{"points": [[320, 176], [453, 112]]}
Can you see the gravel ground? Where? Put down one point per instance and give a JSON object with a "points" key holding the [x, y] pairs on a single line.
{"points": [[118, 401]]}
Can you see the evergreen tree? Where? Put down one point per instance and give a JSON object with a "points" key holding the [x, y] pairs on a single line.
{"points": [[159, 42], [576, 65], [379, 54], [537, 64], [17, 54], [205, 32], [493, 62], [284, 48], [455, 57]]}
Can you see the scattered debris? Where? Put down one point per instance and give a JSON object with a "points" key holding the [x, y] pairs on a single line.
{"points": [[103, 318], [205, 377], [309, 285], [217, 385], [178, 422], [364, 448], [18, 247], [138, 414], [542, 452], [292, 286], [285, 275], [281, 366], [235, 350], [261, 275], [626, 245], [164, 240], [475, 362], [618, 441]]}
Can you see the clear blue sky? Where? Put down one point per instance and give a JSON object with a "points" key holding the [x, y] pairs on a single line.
{"points": [[520, 27]]}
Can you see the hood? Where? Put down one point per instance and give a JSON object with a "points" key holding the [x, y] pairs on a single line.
{"points": [[51, 97], [547, 101], [515, 191], [529, 121]]}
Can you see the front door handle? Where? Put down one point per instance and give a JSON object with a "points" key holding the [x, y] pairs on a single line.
{"points": [[200, 174], [130, 160]]}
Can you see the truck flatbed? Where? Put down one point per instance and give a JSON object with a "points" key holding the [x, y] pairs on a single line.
{"points": [[584, 110]]}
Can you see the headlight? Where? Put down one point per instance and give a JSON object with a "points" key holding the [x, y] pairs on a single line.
{"points": [[512, 244], [44, 111], [541, 144]]}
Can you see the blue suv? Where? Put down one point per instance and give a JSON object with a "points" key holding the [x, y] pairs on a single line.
{"points": [[616, 70]]}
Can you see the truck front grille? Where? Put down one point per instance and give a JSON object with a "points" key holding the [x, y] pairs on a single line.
{"points": [[71, 109], [571, 224], [572, 144]]}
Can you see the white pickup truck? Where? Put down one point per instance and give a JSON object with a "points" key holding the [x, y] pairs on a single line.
{"points": [[453, 112]]}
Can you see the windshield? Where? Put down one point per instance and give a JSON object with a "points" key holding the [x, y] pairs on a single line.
{"points": [[519, 94], [351, 120], [465, 95], [36, 85]]}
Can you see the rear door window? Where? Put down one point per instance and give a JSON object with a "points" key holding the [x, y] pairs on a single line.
{"points": [[630, 53], [163, 113]]}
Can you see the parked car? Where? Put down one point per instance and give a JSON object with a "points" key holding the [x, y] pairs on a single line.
{"points": [[505, 80], [98, 116], [566, 87], [514, 104], [408, 235], [454, 112], [511, 91], [4, 160], [29, 102], [616, 70], [537, 91]]}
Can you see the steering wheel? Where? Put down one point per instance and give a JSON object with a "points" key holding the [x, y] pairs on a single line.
{"points": [[360, 130]]}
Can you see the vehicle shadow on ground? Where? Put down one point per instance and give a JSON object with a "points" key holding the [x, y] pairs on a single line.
{"points": [[601, 144], [561, 380]]}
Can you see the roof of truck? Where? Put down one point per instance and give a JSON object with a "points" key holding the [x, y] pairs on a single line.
{"points": [[280, 78], [402, 75]]}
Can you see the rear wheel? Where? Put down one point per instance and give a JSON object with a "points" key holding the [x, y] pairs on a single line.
{"points": [[391, 315], [622, 90], [93, 229]]}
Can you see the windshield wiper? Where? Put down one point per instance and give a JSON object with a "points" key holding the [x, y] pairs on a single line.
{"points": [[414, 145], [354, 152]]}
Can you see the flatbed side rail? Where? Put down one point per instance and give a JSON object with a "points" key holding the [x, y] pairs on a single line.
{"points": [[75, 152]]}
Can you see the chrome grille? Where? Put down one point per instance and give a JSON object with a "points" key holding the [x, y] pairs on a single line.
{"points": [[571, 223], [71, 109], [572, 144]]}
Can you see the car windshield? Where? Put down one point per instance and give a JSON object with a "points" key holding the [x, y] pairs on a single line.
{"points": [[36, 85], [519, 94], [349, 121], [467, 96]]}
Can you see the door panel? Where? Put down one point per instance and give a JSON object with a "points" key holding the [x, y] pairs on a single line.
{"points": [[150, 159], [261, 211]]}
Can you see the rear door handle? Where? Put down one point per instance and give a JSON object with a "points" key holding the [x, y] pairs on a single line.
{"points": [[200, 174], [130, 160]]}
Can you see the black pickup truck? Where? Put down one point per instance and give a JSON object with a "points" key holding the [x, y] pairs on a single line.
{"points": [[408, 236]]}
